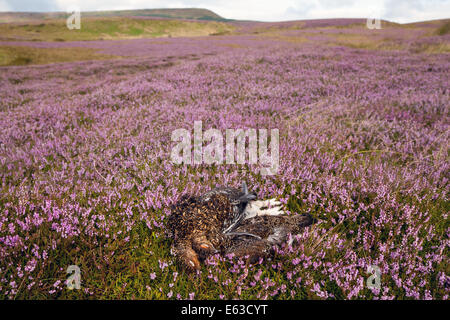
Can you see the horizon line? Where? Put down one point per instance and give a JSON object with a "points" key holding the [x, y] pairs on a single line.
{"points": [[229, 19]]}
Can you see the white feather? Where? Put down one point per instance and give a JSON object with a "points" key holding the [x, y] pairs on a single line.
{"points": [[270, 207]]}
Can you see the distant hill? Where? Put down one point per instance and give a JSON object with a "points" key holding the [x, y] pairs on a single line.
{"points": [[110, 28], [185, 13]]}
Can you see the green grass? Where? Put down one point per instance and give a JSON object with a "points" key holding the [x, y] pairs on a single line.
{"points": [[181, 13], [22, 55], [444, 29], [109, 28]]}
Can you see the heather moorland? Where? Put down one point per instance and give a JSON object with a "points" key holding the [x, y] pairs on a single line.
{"points": [[86, 177]]}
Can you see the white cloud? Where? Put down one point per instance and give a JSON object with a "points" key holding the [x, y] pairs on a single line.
{"points": [[264, 10], [321, 9], [4, 6], [416, 10]]}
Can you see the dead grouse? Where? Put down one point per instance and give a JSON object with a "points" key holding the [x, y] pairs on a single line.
{"points": [[229, 221]]}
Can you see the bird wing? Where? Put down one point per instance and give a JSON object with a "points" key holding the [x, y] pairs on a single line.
{"points": [[238, 200]]}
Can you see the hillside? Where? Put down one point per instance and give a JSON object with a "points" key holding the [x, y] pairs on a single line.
{"points": [[188, 13], [108, 28], [49, 32]]}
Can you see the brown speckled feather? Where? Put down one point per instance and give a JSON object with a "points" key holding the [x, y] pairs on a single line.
{"points": [[197, 227]]}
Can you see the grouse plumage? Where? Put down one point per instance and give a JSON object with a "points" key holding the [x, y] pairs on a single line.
{"points": [[271, 230], [229, 221]]}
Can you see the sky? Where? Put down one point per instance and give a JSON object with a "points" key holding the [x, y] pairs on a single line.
{"points": [[402, 11]]}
